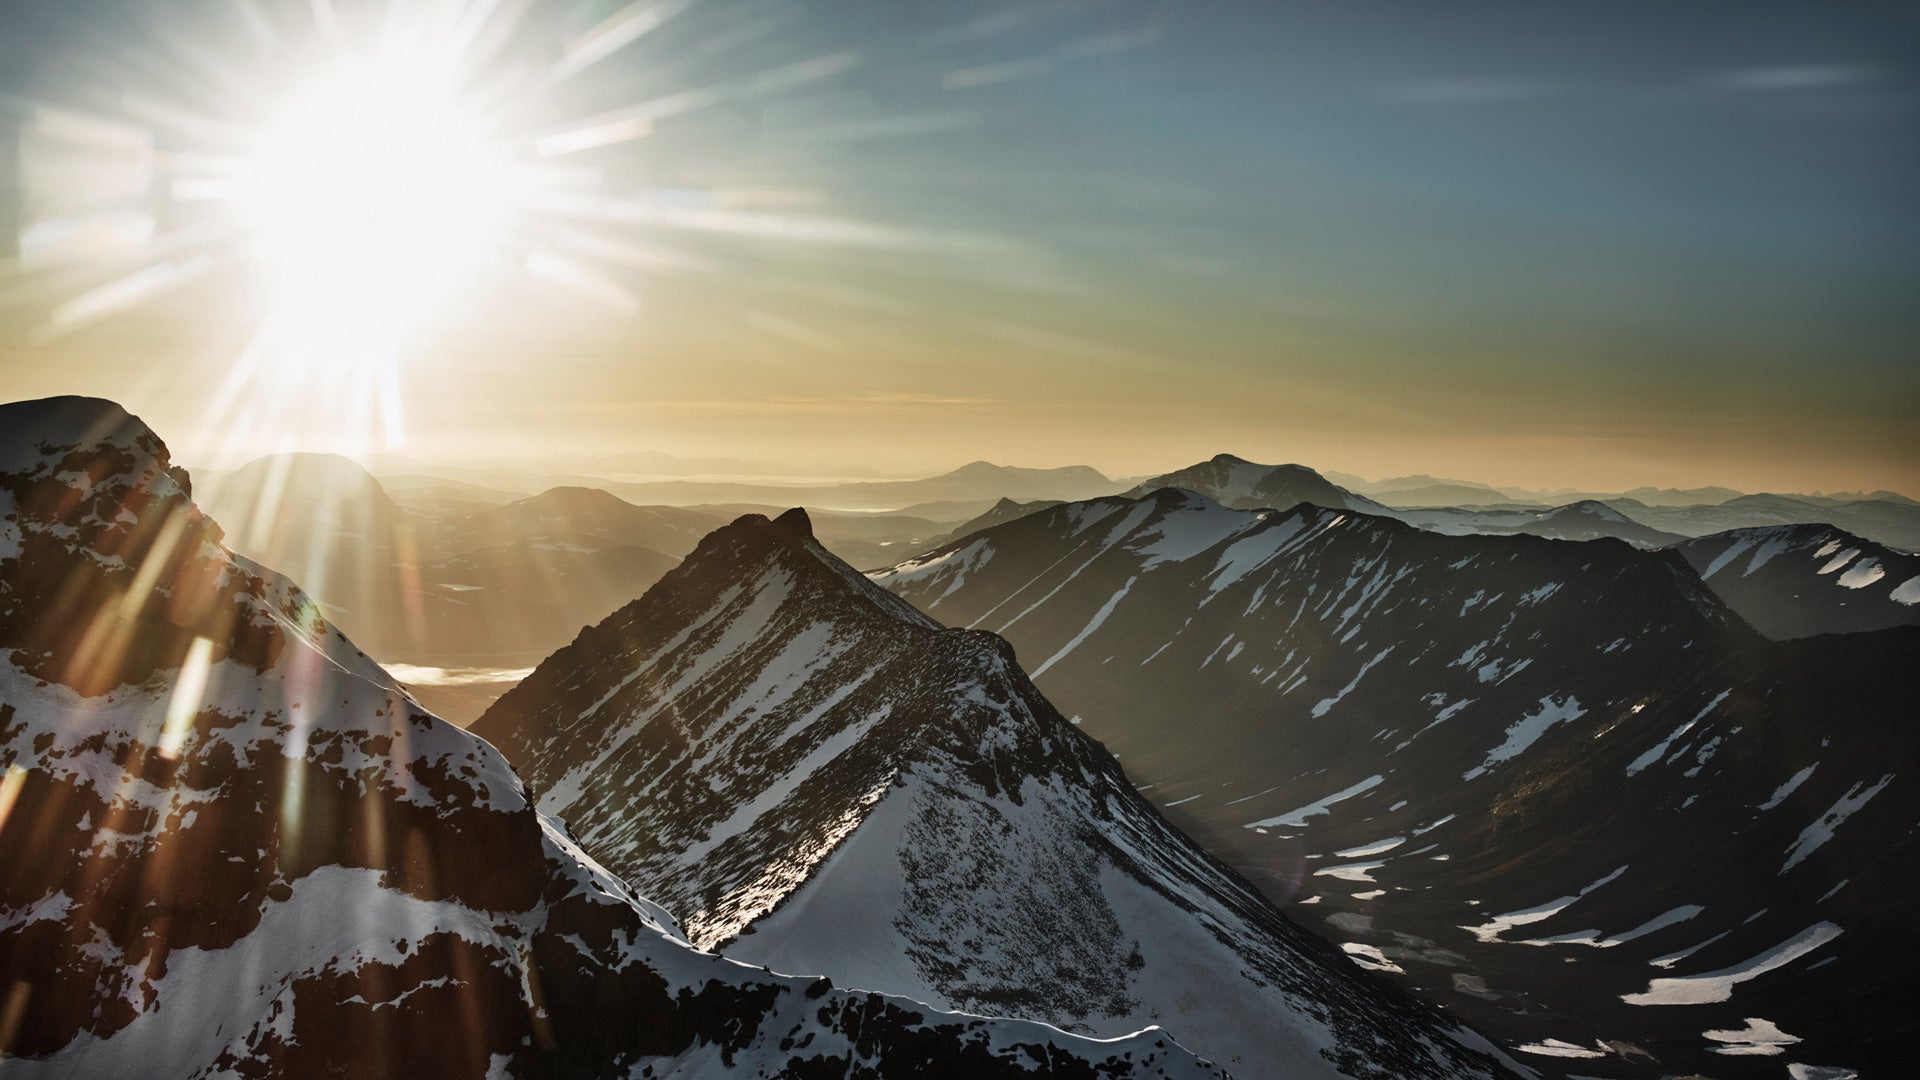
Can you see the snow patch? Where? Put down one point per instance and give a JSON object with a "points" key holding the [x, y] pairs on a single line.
{"points": [[1364, 850], [1821, 831], [1325, 704], [1839, 561], [1370, 957], [1793, 784], [1191, 530], [1093, 624], [1593, 938], [1864, 573], [1527, 731], [1246, 555], [1660, 750], [1491, 930], [1720, 561], [1758, 1038], [1907, 592], [1717, 986], [1820, 1072], [1560, 1049], [323, 926], [1357, 872], [1298, 818]]}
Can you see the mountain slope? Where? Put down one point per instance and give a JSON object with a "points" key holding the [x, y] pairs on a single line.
{"points": [[819, 778], [1554, 785], [234, 847], [1003, 511], [1793, 581]]}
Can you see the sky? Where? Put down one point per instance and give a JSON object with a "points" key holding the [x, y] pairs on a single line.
{"points": [[1540, 244]]}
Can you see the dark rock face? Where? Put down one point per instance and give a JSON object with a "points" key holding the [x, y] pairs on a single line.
{"points": [[233, 846], [1558, 787], [1792, 581], [814, 776]]}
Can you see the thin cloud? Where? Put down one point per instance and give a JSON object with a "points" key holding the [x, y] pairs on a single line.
{"points": [[879, 402], [996, 74], [1007, 20], [1086, 48], [892, 127], [1794, 77], [1053, 341], [1468, 91], [1111, 44], [792, 330]]}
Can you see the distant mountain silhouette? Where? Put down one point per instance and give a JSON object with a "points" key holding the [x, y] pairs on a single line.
{"points": [[978, 480], [1446, 495], [508, 583], [1893, 523]]}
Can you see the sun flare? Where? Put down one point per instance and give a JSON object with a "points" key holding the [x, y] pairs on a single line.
{"points": [[373, 200]]}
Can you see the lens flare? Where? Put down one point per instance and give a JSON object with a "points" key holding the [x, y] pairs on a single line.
{"points": [[189, 693]]}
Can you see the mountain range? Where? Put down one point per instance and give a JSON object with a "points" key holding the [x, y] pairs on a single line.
{"points": [[818, 778], [1429, 491], [235, 847], [1632, 800], [1559, 787], [465, 592], [1239, 484]]}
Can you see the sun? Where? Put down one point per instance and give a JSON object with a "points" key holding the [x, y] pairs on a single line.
{"points": [[373, 200]]}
